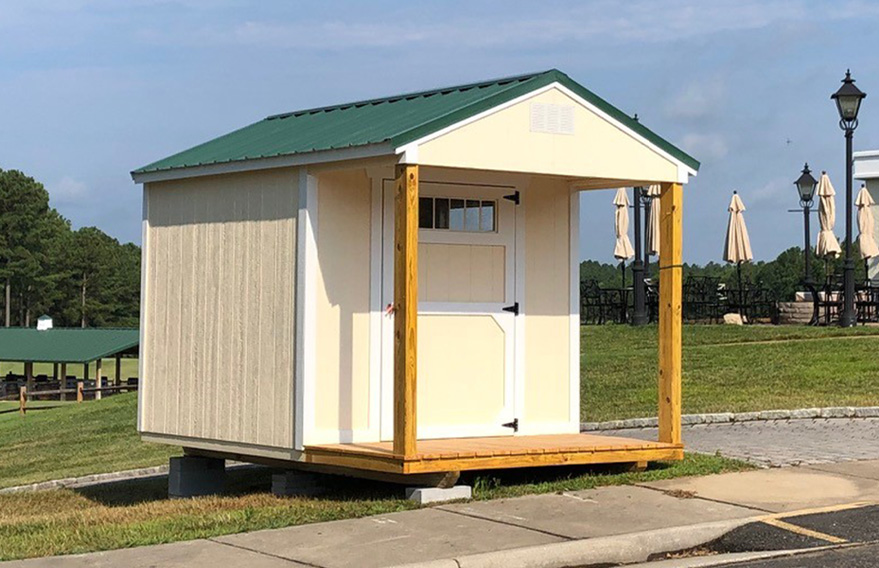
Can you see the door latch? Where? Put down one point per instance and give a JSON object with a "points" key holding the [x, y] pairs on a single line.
{"points": [[514, 425], [514, 309]]}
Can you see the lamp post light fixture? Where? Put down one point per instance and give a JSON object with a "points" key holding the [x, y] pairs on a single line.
{"points": [[848, 102], [806, 185]]}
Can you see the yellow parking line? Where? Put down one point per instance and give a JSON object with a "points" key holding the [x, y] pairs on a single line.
{"points": [[816, 510], [804, 532]]}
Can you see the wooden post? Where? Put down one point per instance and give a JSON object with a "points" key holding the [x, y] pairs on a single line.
{"points": [[29, 376], [22, 400], [85, 377], [670, 276], [118, 370], [63, 384], [405, 308], [98, 379], [55, 372]]}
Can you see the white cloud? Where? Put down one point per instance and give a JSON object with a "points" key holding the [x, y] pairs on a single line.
{"points": [[644, 21], [697, 99], [705, 146], [68, 190]]}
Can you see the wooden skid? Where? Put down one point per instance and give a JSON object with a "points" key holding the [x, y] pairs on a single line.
{"points": [[463, 454]]}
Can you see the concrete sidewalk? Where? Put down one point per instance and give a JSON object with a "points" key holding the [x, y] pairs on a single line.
{"points": [[488, 533]]}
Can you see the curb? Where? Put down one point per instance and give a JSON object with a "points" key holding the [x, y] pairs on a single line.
{"points": [[610, 550], [89, 479], [99, 478], [728, 417]]}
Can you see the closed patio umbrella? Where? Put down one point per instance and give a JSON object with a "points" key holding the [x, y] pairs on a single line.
{"points": [[622, 249], [652, 236], [827, 243], [738, 245], [866, 242]]}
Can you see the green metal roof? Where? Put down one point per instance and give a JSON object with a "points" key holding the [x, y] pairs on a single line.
{"points": [[64, 345], [396, 120]]}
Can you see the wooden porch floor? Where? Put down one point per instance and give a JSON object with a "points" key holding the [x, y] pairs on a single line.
{"points": [[460, 454]]}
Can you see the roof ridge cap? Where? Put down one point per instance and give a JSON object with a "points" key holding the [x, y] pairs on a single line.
{"points": [[414, 94]]}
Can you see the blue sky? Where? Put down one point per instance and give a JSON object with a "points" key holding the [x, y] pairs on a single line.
{"points": [[89, 90]]}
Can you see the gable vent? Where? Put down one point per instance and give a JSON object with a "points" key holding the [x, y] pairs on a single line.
{"points": [[552, 119]]}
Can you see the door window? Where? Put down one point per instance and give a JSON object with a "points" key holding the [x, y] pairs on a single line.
{"points": [[462, 215]]}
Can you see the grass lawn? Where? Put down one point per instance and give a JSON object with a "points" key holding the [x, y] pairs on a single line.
{"points": [[730, 369], [74, 439], [139, 512]]}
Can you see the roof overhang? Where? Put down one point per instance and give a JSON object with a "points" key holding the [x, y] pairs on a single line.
{"points": [[866, 164], [287, 161]]}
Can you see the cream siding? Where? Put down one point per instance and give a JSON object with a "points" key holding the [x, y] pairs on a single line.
{"points": [[547, 302], [342, 326], [219, 308], [504, 141]]}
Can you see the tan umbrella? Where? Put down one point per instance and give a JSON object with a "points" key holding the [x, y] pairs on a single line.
{"points": [[865, 224], [827, 243], [652, 236], [738, 244], [622, 250]]}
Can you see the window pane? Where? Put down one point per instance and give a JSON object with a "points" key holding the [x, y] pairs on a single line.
{"points": [[425, 213], [456, 215], [471, 216], [441, 206], [487, 221]]}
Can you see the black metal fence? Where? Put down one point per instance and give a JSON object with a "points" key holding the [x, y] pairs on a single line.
{"points": [[705, 300]]}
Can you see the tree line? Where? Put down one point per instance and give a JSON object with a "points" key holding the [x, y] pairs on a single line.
{"points": [[783, 276], [81, 278]]}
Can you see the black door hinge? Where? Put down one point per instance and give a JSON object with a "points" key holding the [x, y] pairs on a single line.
{"points": [[514, 197], [514, 425], [514, 309]]}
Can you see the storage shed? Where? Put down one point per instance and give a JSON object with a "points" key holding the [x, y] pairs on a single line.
{"points": [[391, 285]]}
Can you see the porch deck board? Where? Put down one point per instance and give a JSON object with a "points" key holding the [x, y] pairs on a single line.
{"points": [[458, 454]]}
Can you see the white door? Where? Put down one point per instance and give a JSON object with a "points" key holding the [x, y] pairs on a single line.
{"points": [[466, 310]]}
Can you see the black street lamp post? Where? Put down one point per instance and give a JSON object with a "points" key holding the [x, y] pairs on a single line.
{"points": [[639, 314], [848, 101], [806, 185]]}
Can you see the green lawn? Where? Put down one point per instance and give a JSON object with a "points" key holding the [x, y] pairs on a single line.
{"points": [[73, 440], [730, 369]]}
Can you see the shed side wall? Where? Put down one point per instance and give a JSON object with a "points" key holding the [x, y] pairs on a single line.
{"points": [[547, 305], [220, 308]]}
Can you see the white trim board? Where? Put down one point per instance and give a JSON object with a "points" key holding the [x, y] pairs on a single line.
{"points": [[408, 153], [306, 316], [144, 274], [574, 316]]}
